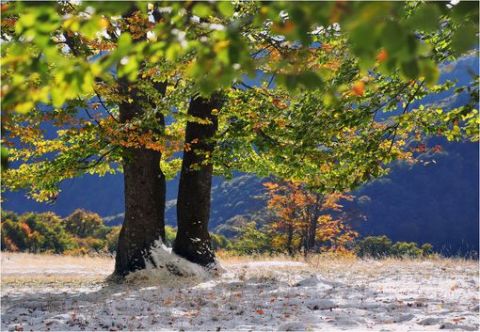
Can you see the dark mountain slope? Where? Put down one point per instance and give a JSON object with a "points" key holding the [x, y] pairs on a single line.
{"points": [[436, 203]]}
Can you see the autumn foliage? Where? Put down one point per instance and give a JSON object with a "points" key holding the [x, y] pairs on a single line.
{"points": [[305, 221]]}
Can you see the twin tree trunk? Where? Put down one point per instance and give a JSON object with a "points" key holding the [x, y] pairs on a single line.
{"points": [[145, 191], [193, 202], [145, 188]]}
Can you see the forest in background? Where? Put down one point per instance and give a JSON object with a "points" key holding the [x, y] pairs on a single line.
{"points": [[85, 233]]}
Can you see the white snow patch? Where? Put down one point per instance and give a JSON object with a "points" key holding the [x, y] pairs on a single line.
{"points": [[267, 264], [165, 267], [334, 295]]}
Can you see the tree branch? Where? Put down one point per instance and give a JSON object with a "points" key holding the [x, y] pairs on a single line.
{"points": [[104, 106], [96, 162], [405, 109]]}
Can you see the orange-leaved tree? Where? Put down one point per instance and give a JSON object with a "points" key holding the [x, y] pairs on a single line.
{"points": [[306, 220]]}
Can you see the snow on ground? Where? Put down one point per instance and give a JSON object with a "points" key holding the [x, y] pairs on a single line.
{"points": [[41, 292]]}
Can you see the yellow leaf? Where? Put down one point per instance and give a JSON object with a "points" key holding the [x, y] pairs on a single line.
{"points": [[24, 107]]}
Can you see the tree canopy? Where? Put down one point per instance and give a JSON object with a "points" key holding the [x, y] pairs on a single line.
{"points": [[334, 85]]}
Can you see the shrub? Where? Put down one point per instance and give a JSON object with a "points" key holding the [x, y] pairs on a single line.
{"points": [[374, 246], [35, 232], [50, 226], [112, 239], [85, 224], [406, 249], [252, 241], [220, 242], [92, 244], [427, 249], [382, 246]]}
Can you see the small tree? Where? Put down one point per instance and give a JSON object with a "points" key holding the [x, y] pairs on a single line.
{"points": [[427, 249], [252, 241], [382, 246], [85, 224], [303, 219]]}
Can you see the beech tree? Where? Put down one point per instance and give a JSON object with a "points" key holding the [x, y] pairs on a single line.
{"points": [[128, 85], [304, 220]]}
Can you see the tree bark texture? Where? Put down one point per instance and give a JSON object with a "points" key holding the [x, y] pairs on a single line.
{"points": [[193, 203], [145, 188]]}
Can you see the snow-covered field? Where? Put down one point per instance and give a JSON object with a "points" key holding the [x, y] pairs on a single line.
{"points": [[41, 292]]}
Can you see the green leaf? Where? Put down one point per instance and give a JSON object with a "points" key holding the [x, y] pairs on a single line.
{"points": [[410, 69], [363, 40], [201, 10], [58, 97], [4, 157], [91, 27], [430, 71], [226, 8], [223, 56], [310, 80], [464, 10], [206, 86], [173, 51], [464, 38], [27, 20], [124, 42], [24, 107], [425, 17], [393, 38]]}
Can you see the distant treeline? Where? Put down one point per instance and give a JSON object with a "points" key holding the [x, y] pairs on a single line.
{"points": [[85, 232], [82, 232], [254, 241]]}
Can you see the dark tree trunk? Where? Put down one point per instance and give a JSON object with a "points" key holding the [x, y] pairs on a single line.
{"points": [[306, 247], [290, 240], [144, 185], [193, 202], [312, 230]]}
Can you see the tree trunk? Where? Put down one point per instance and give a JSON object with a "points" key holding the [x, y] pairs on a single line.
{"points": [[145, 187], [312, 231], [193, 202], [306, 247], [290, 240]]}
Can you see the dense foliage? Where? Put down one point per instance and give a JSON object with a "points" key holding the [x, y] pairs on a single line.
{"points": [[316, 106], [82, 232], [382, 247]]}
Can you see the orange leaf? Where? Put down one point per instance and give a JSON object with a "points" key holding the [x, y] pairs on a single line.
{"points": [[358, 88], [382, 55], [284, 27], [279, 103]]}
